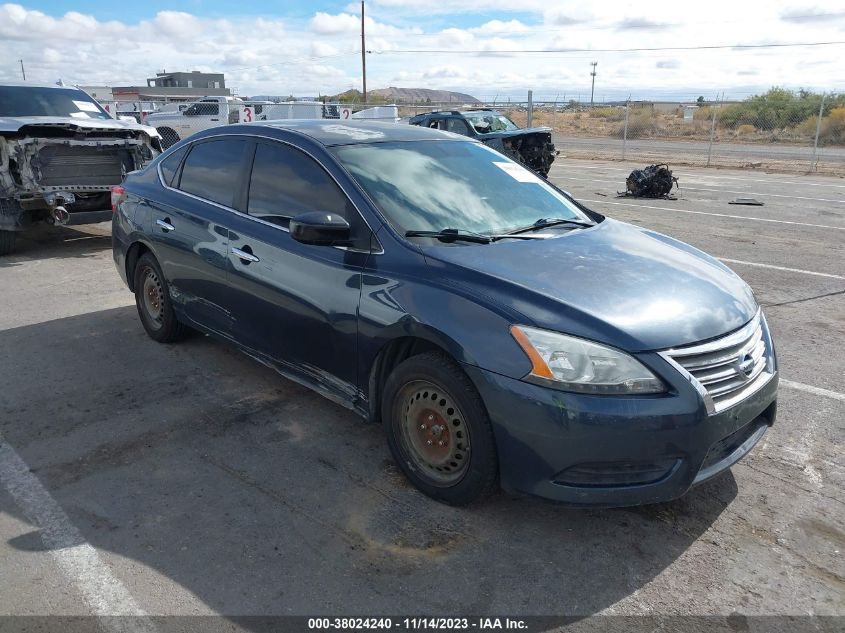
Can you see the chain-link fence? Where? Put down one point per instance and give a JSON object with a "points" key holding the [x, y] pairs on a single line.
{"points": [[781, 130], [178, 120]]}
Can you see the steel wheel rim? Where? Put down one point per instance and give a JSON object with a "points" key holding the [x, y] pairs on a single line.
{"points": [[152, 298], [433, 432]]}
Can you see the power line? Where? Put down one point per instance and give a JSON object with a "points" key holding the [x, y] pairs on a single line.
{"points": [[608, 50]]}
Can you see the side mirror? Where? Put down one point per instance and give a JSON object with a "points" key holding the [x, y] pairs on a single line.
{"points": [[320, 228]]}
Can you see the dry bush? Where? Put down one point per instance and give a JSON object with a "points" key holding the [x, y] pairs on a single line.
{"points": [[608, 113], [832, 130], [807, 127], [704, 113], [833, 127], [640, 123], [745, 129]]}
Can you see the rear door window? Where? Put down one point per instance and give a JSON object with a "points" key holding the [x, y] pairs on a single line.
{"points": [[203, 109], [212, 170], [458, 126], [286, 181]]}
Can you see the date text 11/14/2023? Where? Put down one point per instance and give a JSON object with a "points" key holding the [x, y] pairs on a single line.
{"points": [[417, 624]]}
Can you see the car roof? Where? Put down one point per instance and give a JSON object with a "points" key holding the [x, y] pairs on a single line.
{"points": [[330, 132], [30, 84], [456, 112]]}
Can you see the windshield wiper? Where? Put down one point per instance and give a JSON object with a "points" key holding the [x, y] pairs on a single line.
{"points": [[544, 223], [452, 235]]}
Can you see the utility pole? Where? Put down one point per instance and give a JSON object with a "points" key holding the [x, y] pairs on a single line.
{"points": [[23, 72], [363, 52], [593, 89]]}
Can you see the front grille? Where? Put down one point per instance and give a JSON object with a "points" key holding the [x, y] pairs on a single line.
{"points": [[728, 369], [62, 165]]}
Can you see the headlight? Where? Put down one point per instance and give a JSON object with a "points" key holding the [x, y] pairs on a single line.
{"points": [[574, 364]]}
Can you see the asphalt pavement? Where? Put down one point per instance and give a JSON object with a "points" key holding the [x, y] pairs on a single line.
{"points": [[190, 480]]}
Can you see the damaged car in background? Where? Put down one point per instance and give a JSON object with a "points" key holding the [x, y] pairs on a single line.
{"points": [[531, 147], [60, 155]]}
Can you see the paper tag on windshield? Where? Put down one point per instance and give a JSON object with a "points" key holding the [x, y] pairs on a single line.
{"points": [[518, 173], [80, 115], [86, 106]]}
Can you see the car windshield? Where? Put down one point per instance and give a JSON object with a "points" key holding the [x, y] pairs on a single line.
{"points": [[487, 122], [21, 101], [432, 185]]}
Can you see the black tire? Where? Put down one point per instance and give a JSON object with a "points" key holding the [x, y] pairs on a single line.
{"points": [[7, 241], [169, 136], [453, 415], [152, 299]]}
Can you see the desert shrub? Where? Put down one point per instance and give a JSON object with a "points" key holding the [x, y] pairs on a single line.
{"points": [[609, 113], [703, 113], [807, 127], [640, 123], [777, 109], [833, 127]]}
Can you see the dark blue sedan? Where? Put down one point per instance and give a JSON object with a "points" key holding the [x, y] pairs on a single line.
{"points": [[503, 334]]}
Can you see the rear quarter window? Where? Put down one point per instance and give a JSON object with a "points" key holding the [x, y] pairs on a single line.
{"points": [[170, 165]]}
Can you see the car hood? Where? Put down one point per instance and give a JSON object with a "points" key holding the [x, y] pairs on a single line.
{"points": [[615, 283], [14, 124]]}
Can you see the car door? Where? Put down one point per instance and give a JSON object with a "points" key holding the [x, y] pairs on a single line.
{"points": [[200, 116], [189, 228], [458, 126], [297, 303], [437, 123]]}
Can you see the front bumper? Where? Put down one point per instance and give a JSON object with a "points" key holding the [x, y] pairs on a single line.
{"points": [[616, 451]]}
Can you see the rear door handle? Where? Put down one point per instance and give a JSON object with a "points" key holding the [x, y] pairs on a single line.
{"points": [[244, 255], [165, 225]]}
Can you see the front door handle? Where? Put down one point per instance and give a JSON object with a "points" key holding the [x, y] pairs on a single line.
{"points": [[165, 225], [245, 256]]}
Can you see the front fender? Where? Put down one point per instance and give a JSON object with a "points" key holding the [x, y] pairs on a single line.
{"points": [[472, 328]]}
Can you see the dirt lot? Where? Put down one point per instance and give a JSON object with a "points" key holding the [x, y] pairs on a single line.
{"points": [[154, 480]]}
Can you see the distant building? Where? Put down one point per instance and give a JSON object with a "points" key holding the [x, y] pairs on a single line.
{"points": [[178, 86], [100, 93]]}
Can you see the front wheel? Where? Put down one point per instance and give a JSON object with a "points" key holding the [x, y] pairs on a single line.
{"points": [[438, 430], [154, 304]]}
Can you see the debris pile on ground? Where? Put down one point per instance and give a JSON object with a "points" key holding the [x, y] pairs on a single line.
{"points": [[655, 181], [747, 201]]}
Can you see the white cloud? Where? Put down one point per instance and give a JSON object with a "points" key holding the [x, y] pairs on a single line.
{"points": [[321, 53], [346, 23], [454, 37], [445, 72], [322, 49], [327, 24], [498, 26]]}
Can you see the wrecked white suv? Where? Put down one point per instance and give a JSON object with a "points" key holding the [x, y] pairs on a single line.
{"points": [[60, 155]]}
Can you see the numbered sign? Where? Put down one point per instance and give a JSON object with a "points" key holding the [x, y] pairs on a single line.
{"points": [[246, 114], [345, 113]]}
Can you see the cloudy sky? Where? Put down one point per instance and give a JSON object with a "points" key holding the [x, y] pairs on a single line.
{"points": [[485, 47]]}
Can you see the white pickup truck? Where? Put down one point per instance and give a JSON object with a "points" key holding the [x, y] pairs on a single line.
{"points": [[214, 111]]}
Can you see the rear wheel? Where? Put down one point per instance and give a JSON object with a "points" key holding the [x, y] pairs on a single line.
{"points": [[153, 302], [7, 241], [438, 430]]}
